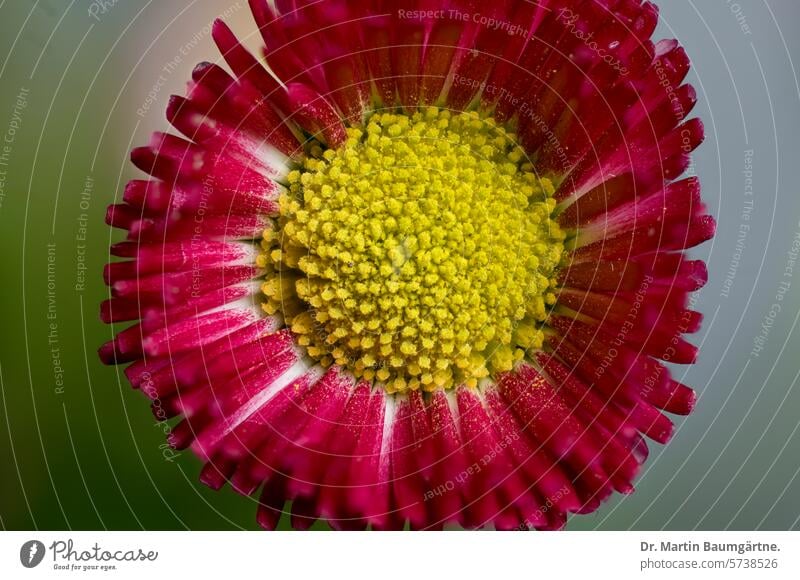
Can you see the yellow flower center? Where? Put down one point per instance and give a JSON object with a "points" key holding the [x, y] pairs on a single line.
{"points": [[420, 253]]}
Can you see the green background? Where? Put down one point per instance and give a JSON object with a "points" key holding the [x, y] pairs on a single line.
{"points": [[88, 454]]}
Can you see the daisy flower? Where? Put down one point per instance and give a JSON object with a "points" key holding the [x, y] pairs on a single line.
{"points": [[420, 263]]}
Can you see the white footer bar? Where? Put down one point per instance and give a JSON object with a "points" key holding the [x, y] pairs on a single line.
{"points": [[351, 555]]}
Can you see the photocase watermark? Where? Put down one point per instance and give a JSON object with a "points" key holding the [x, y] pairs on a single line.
{"points": [[682, 328], [784, 286], [99, 8], [147, 386], [84, 203], [549, 503], [625, 328], [10, 136], [741, 18], [521, 106], [570, 20], [198, 237], [671, 90], [744, 225], [66, 557], [471, 470], [31, 553], [567, 17], [679, 110], [456, 15], [152, 96], [179, 58], [53, 341]]}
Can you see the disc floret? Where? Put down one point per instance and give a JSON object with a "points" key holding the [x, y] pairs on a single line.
{"points": [[420, 253]]}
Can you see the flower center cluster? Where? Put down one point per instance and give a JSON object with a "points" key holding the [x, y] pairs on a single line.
{"points": [[420, 253]]}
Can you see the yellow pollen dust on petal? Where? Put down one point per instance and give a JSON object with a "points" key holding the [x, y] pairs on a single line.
{"points": [[420, 253]]}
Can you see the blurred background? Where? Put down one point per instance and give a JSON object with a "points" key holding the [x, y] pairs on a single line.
{"points": [[84, 81]]}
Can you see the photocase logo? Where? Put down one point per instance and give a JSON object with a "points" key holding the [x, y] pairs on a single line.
{"points": [[31, 553]]}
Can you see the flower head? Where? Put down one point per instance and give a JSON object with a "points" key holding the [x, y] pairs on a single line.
{"points": [[424, 267]]}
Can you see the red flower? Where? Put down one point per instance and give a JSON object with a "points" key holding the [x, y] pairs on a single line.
{"points": [[427, 267]]}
